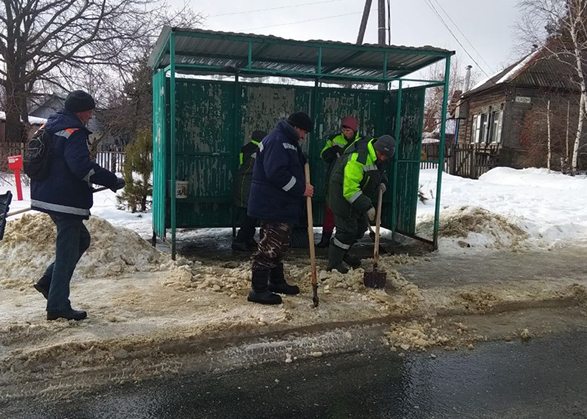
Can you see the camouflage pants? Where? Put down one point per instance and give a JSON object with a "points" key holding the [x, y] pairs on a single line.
{"points": [[275, 239]]}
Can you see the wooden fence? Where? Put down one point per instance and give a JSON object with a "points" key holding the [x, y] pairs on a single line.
{"points": [[465, 160]]}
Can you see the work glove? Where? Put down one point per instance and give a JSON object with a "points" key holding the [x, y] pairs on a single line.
{"points": [[382, 187], [371, 214], [119, 184]]}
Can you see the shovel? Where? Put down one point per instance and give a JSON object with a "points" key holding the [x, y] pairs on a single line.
{"points": [[5, 203], [311, 241], [376, 279]]}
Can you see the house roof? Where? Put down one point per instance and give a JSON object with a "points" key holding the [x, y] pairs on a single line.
{"points": [[203, 51], [537, 69]]}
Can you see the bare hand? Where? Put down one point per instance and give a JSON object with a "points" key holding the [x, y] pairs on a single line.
{"points": [[309, 190]]}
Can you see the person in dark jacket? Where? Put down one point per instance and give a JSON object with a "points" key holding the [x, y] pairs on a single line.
{"points": [[277, 198], [355, 180], [245, 239], [334, 148], [66, 195]]}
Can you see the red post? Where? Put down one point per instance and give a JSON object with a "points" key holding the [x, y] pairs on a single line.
{"points": [[15, 163]]}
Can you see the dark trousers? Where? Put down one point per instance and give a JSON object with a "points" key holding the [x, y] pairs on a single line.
{"points": [[349, 230], [275, 239], [73, 239], [246, 233], [328, 222]]}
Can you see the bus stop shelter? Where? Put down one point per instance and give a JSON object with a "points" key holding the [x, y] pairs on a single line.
{"points": [[211, 90]]}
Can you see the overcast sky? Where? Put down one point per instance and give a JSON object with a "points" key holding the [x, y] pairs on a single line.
{"points": [[489, 26]]}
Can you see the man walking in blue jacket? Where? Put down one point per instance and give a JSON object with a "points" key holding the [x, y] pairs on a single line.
{"points": [[277, 197], [66, 195]]}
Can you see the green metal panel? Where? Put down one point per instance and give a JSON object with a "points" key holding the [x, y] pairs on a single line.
{"points": [[159, 152], [205, 151], [408, 157]]}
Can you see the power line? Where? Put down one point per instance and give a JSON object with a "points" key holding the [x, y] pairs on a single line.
{"points": [[302, 21], [277, 8], [428, 2], [464, 36]]}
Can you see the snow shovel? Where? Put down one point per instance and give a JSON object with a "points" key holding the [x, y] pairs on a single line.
{"points": [[376, 279], [5, 202], [311, 241], [372, 235]]}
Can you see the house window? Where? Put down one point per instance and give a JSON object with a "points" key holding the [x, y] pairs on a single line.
{"points": [[496, 119], [487, 127]]}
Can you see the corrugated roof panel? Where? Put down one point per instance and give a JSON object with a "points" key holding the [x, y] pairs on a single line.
{"points": [[275, 54]]}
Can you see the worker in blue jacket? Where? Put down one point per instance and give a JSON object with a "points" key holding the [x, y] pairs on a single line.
{"points": [[66, 195], [276, 199]]}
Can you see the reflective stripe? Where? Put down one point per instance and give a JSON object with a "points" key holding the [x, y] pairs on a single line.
{"points": [[66, 132], [59, 208], [88, 176], [340, 244], [290, 146], [290, 184], [255, 142], [355, 196], [369, 168], [240, 158]]}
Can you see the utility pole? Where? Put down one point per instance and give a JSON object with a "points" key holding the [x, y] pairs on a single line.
{"points": [[364, 20], [382, 27]]}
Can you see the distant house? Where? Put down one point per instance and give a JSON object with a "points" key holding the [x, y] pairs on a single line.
{"points": [[508, 110], [50, 105]]}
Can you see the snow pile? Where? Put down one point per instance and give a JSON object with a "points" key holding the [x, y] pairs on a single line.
{"points": [[475, 227], [549, 207], [413, 335], [28, 248]]}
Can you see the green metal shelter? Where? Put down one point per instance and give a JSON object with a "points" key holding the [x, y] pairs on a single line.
{"points": [[200, 123]]}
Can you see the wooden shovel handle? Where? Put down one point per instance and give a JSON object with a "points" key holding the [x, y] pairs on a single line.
{"points": [[377, 229], [310, 228]]}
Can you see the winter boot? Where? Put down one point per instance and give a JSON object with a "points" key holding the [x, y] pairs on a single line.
{"points": [[43, 285], [251, 244], [325, 240], [351, 260], [277, 282], [259, 292], [335, 256], [70, 314]]}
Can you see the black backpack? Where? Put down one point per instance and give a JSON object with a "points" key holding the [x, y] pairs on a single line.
{"points": [[5, 200], [37, 158]]}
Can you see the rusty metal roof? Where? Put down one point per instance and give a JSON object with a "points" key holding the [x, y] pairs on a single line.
{"points": [[539, 69], [203, 52]]}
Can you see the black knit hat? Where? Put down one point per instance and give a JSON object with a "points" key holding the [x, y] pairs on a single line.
{"points": [[385, 145], [258, 135], [302, 121], [79, 101]]}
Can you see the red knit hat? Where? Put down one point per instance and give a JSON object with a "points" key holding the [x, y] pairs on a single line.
{"points": [[351, 122]]}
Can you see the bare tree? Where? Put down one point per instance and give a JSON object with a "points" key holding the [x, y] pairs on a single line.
{"points": [[561, 27], [434, 95], [71, 43]]}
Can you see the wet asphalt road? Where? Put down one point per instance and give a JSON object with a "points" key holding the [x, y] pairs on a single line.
{"points": [[542, 378]]}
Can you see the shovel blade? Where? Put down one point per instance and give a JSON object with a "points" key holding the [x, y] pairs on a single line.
{"points": [[375, 279]]}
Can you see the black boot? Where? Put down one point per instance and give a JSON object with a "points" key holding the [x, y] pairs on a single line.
{"points": [[353, 261], [335, 256], [70, 314], [43, 285], [277, 282], [259, 292], [251, 244], [325, 240]]}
